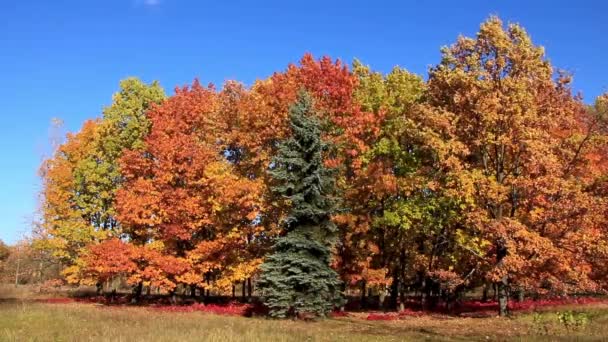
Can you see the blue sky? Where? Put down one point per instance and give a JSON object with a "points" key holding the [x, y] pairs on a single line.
{"points": [[64, 58]]}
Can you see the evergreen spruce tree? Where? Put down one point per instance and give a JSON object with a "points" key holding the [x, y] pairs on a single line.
{"points": [[296, 278]]}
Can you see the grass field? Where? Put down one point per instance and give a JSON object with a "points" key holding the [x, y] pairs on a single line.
{"points": [[23, 319]]}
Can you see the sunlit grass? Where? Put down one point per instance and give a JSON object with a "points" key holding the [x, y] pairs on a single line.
{"points": [[24, 319]]}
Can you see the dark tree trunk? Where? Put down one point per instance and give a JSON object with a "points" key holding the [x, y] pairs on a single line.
{"points": [[137, 292], [363, 294], [423, 295], [521, 295], [394, 293], [401, 298], [249, 289]]}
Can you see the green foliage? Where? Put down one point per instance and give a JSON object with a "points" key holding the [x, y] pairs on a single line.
{"points": [[126, 120], [123, 127], [297, 279], [551, 324], [573, 320]]}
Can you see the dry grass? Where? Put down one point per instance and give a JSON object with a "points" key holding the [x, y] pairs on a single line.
{"points": [[22, 319]]}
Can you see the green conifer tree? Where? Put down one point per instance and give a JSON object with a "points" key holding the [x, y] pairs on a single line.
{"points": [[296, 278]]}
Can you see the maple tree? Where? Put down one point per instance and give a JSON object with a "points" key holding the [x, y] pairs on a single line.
{"points": [[123, 126], [82, 177], [66, 230], [516, 133], [182, 200]]}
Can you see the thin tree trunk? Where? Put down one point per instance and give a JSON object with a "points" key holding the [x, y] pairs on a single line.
{"points": [[17, 269], [484, 296]]}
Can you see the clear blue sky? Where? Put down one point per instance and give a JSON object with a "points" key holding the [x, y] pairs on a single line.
{"points": [[64, 58]]}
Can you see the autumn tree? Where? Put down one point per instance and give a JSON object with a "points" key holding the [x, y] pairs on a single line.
{"points": [[597, 156], [22, 263], [491, 172], [514, 137], [184, 209], [4, 254], [296, 278], [80, 180], [65, 229], [123, 126]]}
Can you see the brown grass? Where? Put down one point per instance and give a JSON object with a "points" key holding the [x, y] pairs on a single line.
{"points": [[22, 319]]}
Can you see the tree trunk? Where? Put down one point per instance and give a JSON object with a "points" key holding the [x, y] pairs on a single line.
{"points": [[363, 297], [484, 296], [521, 295], [243, 290], [17, 269], [423, 295], [137, 293], [249, 289], [502, 297], [233, 291], [382, 297], [503, 284], [394, 293], [401, 298]]}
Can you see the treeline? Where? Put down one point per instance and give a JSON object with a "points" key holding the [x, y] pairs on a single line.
{"points": [[489, 174], [21, 264]]}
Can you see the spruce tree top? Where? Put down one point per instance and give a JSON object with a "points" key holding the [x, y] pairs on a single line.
{"points": [[298, 168]]}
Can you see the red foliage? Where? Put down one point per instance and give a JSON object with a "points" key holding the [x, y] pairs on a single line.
{"points": [[483, 308], [526, 305]]}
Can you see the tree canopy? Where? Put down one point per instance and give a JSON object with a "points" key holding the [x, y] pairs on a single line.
{"points": [[489, 172]]}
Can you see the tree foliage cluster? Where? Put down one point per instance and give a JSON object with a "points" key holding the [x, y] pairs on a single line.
{"points": [[490, 172]]}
